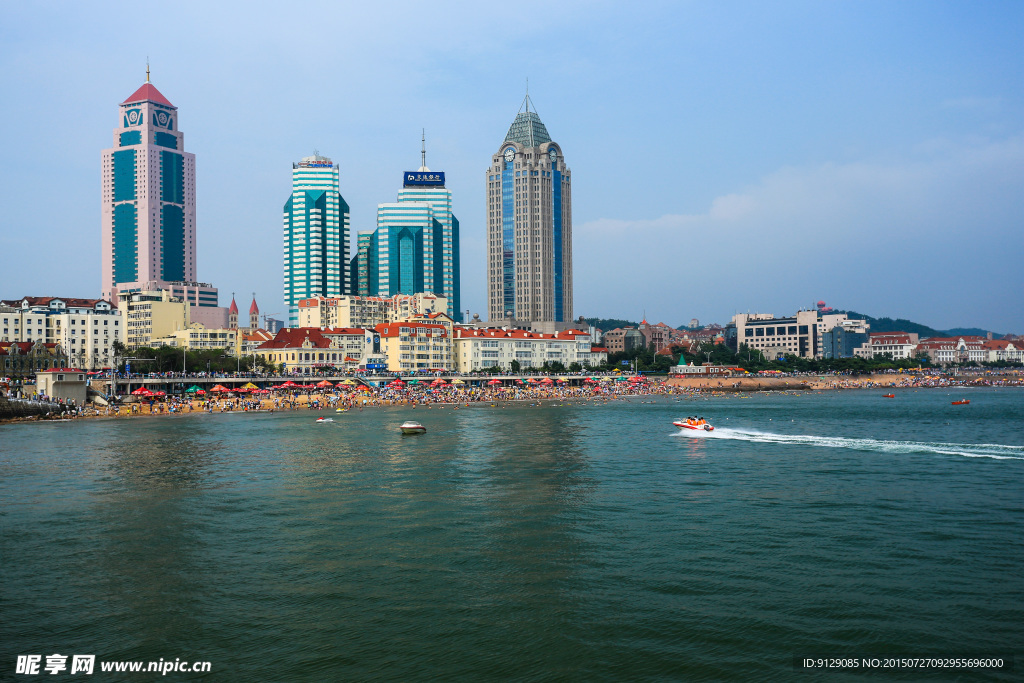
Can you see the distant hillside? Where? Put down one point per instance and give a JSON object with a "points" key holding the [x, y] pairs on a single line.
{"points": [[610, 323], [903, 325]]}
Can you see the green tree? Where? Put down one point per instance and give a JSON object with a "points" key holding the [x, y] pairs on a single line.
{"points": [[514, 366]]}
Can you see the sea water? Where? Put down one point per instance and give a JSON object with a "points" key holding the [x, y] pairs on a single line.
{"points": [[591, 541]]}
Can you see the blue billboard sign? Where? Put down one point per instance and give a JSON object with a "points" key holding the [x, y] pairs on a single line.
{"points": [[413, 178]]}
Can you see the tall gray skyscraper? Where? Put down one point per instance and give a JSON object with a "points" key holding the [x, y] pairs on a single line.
{"points": [[529, 225]]}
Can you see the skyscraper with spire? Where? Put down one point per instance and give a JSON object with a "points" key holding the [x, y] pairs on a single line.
{"points": [[529, 225], [415, 248], [148, 210]]}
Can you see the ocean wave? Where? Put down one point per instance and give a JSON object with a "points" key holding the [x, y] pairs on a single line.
{"points": [[985, 450]]}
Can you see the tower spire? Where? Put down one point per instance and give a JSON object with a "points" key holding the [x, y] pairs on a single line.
{"points": [[147, 69], [423, 148]]}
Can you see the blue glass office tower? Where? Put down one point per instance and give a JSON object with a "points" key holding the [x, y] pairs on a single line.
{"points": [[529, 225], [415, 248]]}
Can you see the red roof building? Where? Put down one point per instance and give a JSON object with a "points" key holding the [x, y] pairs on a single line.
{"points": [[895, 345], [308, 350], [482, 348]]}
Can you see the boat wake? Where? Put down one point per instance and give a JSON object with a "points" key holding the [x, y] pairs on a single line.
{"points": [[975, 450]]}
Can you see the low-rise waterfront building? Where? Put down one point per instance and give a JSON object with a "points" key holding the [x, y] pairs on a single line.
{"points": [[311, 350], [65, 383], [703, 370], [152, 315], [20, 359], [199, 337], [411, 346], [842, 340], [1003, 351], [85, 329], [483, 348], [778, 336], [895, 345], [657, 336], [366, 311], [966, 349], [624, 339]]}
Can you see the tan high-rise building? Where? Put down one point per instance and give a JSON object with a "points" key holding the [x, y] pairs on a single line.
{"points": [[529, 225]]}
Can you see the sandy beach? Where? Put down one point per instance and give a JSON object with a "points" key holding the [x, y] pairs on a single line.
{"points": [[447, 395]]}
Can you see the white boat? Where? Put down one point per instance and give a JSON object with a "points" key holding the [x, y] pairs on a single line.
{"points": [[412, 427], [323, 419], [694, 423]]}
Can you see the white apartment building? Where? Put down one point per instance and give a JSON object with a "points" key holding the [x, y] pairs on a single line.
{"points": [[966, 349], [413, 345], [366, 311], [481, 348], [199, 337], [799, 335], [84, 329], [895, 345]]}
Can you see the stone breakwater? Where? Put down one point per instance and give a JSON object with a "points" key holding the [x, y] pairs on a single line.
{"points": [[18, 408]]}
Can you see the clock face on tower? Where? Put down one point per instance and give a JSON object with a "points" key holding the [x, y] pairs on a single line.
{"points": [[510, 154], [553, 153]]}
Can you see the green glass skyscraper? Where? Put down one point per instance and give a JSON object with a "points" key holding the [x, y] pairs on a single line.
{"points": [[316, 229]]}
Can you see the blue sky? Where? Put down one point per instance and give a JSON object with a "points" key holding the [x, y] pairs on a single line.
{"points": [[726, 156]]}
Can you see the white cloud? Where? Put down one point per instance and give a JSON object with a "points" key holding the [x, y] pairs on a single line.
{"points": [[936, 239]]}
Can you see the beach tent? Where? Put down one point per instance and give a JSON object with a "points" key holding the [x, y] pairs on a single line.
{"points": [[219, 387], [494, 381], [249, 385], [192, 389], [142, 391], [324, 384]]}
